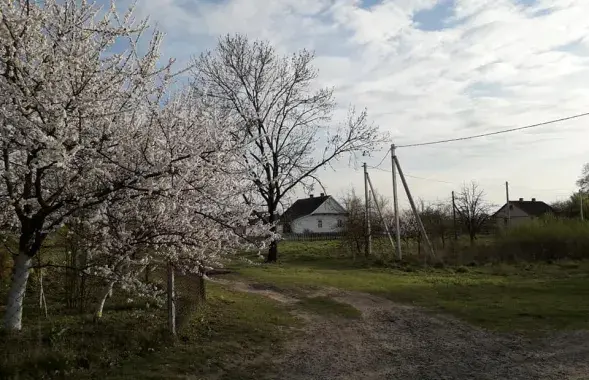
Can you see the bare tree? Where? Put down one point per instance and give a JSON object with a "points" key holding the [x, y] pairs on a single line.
{"points": [[472, 209], [583, 181], [355, 226], [275, 101], [437, 220]]}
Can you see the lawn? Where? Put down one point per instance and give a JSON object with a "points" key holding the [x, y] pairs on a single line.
{"points": [[229, 338], [526, 297]]}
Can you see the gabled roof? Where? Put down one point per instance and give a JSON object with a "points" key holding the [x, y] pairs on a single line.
{"points": [[532, 208], [303, 207]]}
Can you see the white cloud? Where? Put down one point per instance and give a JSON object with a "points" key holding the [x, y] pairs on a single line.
{"points": [[498, 64]]}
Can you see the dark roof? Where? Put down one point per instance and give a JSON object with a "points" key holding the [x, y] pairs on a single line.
{"points": [[532, 208], [303, 207]]}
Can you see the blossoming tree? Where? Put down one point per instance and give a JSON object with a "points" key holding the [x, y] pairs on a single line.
{"points": [[88, 130]]}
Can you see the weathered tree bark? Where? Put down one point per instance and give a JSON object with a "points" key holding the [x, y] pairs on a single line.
{"points": [[16, 294], [105, 295]]}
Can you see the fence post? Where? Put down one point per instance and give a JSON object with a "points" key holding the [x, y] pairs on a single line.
{"points": [[171, 300]]}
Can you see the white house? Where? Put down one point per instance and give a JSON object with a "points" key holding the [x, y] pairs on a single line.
{"points": [[321, 214], [521, 212]]}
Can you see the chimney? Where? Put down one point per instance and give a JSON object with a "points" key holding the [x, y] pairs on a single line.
{"points": [[533, 199], [322, 194], [310, 195], [521, 199]]}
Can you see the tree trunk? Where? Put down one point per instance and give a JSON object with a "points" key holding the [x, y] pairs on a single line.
{"points": [[100, 306], [272, 252], [16, 295], [273, 249]]}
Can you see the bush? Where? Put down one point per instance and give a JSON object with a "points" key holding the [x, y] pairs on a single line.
{"points": [[546, 239]]}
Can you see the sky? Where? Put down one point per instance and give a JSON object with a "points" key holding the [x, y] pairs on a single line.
{"points": [[428, 70]]}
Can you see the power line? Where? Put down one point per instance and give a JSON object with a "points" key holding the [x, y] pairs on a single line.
{"points": [[488, 182], [496, 132], [430, 179], [381, 161]]}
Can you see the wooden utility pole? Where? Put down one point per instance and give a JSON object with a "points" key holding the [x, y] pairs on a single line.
{"points": [[454, 216], [581, 201], [507, 203], [171, 300], [384, 222], [412, 203], [396, 203], [368, 237]]}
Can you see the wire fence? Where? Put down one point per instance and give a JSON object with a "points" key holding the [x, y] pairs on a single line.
{"points": [[58, 282]]}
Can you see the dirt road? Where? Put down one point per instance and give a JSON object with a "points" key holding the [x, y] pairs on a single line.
{"points": [[393, 341]]}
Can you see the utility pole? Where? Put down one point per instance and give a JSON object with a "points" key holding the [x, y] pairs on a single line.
{"points": [[507, 203], [396, 203], [581, 201], [454, 216], [412, 203], [368, 238], [384, 222]]}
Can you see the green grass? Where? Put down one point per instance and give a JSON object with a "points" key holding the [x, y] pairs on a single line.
{"points": [[230, 339], [227, 339], [329, 307], [527, 297]]}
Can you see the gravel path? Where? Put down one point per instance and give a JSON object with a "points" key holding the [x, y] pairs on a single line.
{"points": [[393, 341]]}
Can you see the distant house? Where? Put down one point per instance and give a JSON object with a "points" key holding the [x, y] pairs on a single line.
{"points": [[321, 214], [521, 211]]}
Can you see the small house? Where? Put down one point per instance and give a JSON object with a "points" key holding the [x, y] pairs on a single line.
{"points": [[521, 211], [314, 215]]}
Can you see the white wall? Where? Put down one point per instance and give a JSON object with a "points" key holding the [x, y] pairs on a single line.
{"points": [[330, 206], [310, 223]]}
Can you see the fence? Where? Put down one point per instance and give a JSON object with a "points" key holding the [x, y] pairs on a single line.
{"points": [[312, 236]]}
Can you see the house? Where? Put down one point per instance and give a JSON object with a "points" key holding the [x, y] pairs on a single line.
{"points": [[521, 211], [322, 214]]}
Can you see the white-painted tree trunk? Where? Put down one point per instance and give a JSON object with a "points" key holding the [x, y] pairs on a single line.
{"points": [[16, 295], [102, 301]]}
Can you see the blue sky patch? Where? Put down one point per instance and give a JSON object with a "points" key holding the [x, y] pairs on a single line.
{"points": [[531, 3], [370, 3], [436, 18]]}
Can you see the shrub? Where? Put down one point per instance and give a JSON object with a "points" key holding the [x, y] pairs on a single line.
{"points": [[546, 239]]}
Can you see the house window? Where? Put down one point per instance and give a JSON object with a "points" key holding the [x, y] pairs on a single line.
{"points": [[320, 223], [340, 223]]}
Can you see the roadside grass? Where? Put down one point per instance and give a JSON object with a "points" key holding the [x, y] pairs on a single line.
{"points": [[228, 338], [521, 297], [329, 307]]}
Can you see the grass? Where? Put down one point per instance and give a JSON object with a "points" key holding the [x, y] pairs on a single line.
{"points": [[329, 307], [526, 297], [231, 339], [227, 339]]}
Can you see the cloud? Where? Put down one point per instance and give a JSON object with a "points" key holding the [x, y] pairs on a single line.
{"points": [[428, 70]]}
